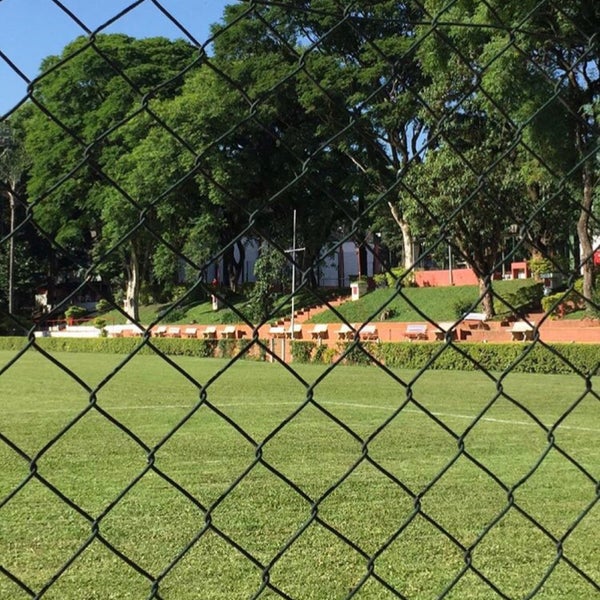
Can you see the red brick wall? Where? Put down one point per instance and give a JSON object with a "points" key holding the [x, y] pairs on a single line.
{"points": [[441, 277]]}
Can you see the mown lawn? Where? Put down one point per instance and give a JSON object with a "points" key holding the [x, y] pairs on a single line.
{"points": [[194, 480], [437, 303]]}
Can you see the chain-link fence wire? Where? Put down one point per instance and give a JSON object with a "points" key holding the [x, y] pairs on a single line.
{"points": [[349, 114]]}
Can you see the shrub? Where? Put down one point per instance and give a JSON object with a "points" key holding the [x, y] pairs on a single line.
{"points": [[399, 273], [302, 351], [75, 312], [461, 307], [356, 355], [525, 298], [380, 280], [103, 305], [519, 357]]}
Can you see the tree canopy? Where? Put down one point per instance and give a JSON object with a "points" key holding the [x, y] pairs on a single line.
{"points": [[450, 123]]}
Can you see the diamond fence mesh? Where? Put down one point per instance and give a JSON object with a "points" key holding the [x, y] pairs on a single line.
{"points": [[439, 445]]}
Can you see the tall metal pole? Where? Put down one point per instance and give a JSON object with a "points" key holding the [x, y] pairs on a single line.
{"points": [[293, 273], [293, 251], [11, 254]]}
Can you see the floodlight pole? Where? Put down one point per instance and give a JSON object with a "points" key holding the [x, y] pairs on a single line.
{"points": [[293, 251]]}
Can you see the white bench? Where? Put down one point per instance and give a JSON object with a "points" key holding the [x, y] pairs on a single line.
{"points": [[190, 332], [277, 331], [476, 320], [173, 332], [297, 331], [369, 332], [319, 331], [229, 332], [416, 331], [345, 332], [442, 329], [522, 331], [209, 332], [160, 331]]}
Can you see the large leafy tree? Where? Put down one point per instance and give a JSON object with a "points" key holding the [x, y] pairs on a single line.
{"points": [[257, 148], [532, 71], [93, 112], [364, 82]]}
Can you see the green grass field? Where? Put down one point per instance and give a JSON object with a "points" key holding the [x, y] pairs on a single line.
{"points": [[345, 486]]}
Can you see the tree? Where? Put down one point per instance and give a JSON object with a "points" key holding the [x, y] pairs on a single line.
{"points": [[535, 67], [364, 73], [254, 138], [93, 110], [469, 204], [13, 164]]}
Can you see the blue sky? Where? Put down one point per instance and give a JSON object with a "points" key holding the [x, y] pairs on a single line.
{"points": [[34, 29]]}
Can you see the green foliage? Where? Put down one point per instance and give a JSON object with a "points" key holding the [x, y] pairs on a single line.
{"points": [[540, 265], [302, 351], [493, 357], [461, 307], [380, 280], [268, 271], [398, 273], [75, 312], [525, 299], [326, 355], [357, 354], [103, 305]]}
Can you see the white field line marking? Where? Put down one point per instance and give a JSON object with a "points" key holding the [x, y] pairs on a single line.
{"points": [[325, 403], [465, 417]]}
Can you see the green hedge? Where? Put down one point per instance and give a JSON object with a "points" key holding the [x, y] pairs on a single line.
{"points": [[407, 355], [171, 346], [524, 357]]}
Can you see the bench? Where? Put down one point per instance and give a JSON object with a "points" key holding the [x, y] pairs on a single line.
{"points": [[229, 332], [190, 332], [173, 332], [522, 331], [442, 329], [476, 320], [345, 332], [297, 331], [160, 331], [369, 332], [277, 331], [209, 332], [319, 331], [416, 331]]}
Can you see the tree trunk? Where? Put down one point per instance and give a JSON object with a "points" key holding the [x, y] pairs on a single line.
{"points": [[487, 299], [585, 241], [232, 268], [407, 237], [363, 269], [132, 289]]}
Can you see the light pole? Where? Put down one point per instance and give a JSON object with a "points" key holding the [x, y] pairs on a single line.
{"points": [[293, 251]]}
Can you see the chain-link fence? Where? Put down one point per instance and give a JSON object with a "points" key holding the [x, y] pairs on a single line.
{"points": [[303, 309]]}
